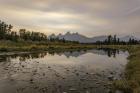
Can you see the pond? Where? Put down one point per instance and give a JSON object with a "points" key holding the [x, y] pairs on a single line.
{"points": [[90, 71]]}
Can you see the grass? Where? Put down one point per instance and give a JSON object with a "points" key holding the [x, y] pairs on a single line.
{"points": [[131, 82], [9, 46], [133, 69]]}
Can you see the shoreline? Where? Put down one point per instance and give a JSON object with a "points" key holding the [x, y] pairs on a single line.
{"points": [[131, 82]]}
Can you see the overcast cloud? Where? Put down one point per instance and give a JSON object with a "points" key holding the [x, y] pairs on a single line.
{"points": [[88, 17]]}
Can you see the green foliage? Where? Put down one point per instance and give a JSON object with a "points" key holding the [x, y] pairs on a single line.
{"points": [[33, 36]]}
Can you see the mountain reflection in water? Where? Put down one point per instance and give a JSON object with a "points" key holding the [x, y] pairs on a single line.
{"points": [[23, 56]]}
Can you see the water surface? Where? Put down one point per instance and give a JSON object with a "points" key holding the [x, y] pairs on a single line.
{"points": [[90, 71]]}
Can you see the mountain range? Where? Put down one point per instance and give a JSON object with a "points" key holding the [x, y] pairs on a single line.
{"points": [[83, 39]]}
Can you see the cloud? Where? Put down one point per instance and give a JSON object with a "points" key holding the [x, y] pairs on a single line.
{"points": [[89, 17], [133, 10]]}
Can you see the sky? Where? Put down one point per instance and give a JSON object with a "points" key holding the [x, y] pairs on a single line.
{"points": [[87, 17]]}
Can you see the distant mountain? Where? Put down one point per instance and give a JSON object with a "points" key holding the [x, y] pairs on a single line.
{"points": [[83, 39], [99, 38], [126, 38], [74, 37], [78, 37]]}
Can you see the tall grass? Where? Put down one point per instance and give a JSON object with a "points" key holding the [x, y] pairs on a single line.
{"points": [[40, 46]]}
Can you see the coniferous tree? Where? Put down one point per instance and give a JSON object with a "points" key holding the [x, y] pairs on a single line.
{"points": [[114, 39]]}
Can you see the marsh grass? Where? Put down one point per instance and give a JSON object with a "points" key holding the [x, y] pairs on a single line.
{"points": [[131, 82], [41, 46]]}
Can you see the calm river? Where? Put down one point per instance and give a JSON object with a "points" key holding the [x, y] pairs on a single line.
{"points": [[90, 71]]}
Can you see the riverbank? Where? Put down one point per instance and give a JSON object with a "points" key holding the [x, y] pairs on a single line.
{"points": [[133, 70], [131, 81], [9, 46]]}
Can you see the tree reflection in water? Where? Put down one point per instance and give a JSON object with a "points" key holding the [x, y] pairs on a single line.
{"points": [[25, 56]]}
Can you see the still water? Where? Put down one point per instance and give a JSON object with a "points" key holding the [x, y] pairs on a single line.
{"points": [[90, 71]]}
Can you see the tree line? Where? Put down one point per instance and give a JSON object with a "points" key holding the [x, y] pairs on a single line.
{"points": [[114, 40], [6, 33]]}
